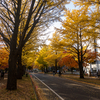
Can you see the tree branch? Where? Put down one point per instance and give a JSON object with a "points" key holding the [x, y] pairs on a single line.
{"points": [[7, 23], [4, 38], [4, 15], [8, 9]]}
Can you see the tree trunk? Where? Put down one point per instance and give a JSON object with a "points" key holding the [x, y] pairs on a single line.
{"points": [[20, 67], [81, 70], [55, 65], [12, 73], [24, 69], [81, 61], [19, 71]]}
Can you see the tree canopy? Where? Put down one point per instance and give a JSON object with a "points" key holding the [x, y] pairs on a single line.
{"points": [[18, 20], [76, 36]]}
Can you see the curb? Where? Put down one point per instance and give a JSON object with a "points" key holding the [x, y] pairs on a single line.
{"points": [[37, 94]]}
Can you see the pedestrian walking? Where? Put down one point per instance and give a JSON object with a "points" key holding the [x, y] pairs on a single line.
{"points": [[53, 72], [59, 73], [26, 74]]}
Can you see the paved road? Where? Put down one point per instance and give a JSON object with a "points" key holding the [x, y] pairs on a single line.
{"points": [[68, 89]]}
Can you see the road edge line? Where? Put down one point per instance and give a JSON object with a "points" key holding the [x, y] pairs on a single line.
{"points": [[49, 88]]}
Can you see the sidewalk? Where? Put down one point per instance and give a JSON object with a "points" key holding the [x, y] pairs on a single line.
{"points": [[85, 76], [75, 75], [89, 80]]}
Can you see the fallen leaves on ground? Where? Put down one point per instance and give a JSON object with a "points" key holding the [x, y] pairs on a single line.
{"points": [[24, 91], [87, 80]]}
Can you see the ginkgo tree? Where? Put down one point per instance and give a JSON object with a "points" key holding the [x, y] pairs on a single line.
{"points": [[77, 35], [54, 53], [30, 50], [18, 19], [26, 57], [46, 58], [94, 13], [40, 59], [52, 58], [86, 2]]}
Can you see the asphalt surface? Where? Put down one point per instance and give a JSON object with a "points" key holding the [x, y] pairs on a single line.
{"points": [[68, 89]]}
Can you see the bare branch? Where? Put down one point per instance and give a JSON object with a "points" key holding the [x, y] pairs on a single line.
{"points": [[28, 20], [8, 9], [8, 31], [4, 38], [38, 11], [7, 23], [35, 22], [23, 10], [4, 15], [36, 7]]}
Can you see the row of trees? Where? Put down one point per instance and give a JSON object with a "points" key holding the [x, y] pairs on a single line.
{"points": [[77, 36], [22, 22], [18, 20], [79, 33]]}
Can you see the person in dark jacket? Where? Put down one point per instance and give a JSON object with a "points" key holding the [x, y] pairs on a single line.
{"points": [[53, 72], [59, 73]]}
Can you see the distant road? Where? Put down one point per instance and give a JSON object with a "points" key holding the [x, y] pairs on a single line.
{"points": [[68, 89]]}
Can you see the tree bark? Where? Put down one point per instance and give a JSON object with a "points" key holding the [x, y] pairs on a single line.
{"points": [[55, 65], [24, 69], [12, 73], [20, 67], [81, 70]]}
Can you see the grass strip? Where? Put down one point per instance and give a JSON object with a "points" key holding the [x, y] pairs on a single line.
{"points": [[92, 81], [87, 80]]}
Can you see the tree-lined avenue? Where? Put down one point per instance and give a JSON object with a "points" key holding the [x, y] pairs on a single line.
{"points": [[68, 89]]}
